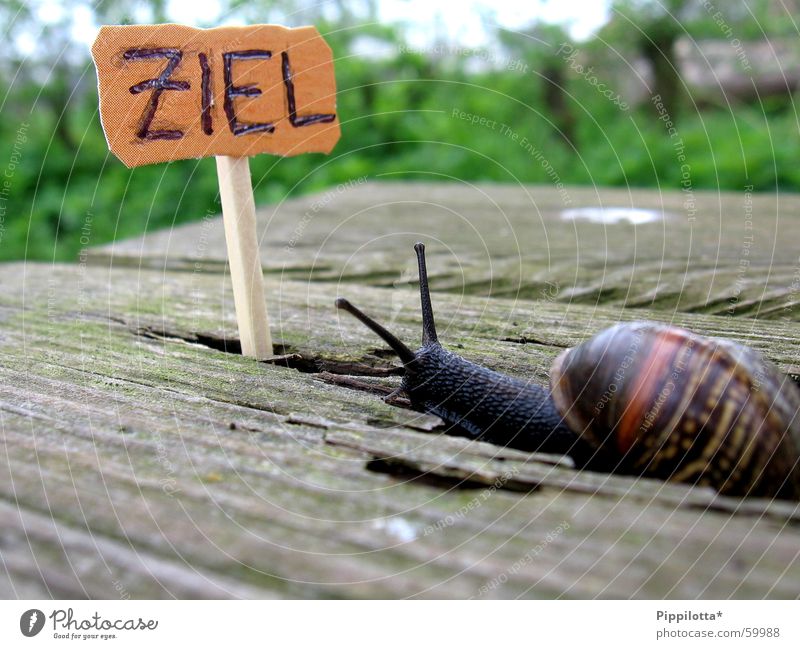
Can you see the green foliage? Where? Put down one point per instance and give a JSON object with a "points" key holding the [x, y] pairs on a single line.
{"points": [[404, 115]]}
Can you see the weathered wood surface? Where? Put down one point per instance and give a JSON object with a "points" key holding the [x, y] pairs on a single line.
{"points": [[138, 459], [719, 253]]}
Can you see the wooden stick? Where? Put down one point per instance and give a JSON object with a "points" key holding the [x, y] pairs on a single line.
{"points": [[239, 217]]}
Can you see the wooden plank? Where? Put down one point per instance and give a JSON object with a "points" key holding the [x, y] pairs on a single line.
{"points": [[136, 452], [721, 253], [68, 562]]}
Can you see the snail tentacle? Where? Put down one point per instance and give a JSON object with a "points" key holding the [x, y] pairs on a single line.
{"points": [[428, 326], [405, 354]]}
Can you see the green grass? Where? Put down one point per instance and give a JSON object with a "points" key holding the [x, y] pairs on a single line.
{"points": [[396, 124]]}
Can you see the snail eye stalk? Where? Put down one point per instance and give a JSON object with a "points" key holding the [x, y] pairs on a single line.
{"points": [[428, 325], [405, 354]]}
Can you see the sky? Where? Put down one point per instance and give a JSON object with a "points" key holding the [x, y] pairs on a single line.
{"points": [[467, 26], [428, 20]]}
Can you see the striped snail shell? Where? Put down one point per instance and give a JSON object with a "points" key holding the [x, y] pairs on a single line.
{"points": [[661, 401]]}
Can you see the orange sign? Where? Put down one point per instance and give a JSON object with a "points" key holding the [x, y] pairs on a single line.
{"points": [[169, 92]]}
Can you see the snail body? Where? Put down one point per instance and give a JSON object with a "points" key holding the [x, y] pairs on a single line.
{"points": [[639, 398]]}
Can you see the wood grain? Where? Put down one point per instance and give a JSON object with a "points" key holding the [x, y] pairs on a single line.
{"points": [[726, 253], [140, 459]]}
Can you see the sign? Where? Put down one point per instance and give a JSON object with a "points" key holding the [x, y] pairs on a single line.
{"points": [[169, 91]]}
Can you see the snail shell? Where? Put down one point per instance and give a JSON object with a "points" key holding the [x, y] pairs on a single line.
{"points": [[664, 402]]}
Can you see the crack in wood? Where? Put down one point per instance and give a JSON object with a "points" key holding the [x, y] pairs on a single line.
{"points": [[284, 356], [529, 340], [408, 470]]}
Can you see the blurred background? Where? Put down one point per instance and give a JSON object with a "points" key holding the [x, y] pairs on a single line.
{"points": [[593, 92]]}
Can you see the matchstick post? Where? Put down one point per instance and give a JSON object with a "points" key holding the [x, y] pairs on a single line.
{"points": [[239, 218]]}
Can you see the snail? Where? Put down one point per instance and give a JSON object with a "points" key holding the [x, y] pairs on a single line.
{"points": [[639, 398]]}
